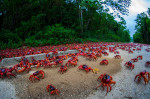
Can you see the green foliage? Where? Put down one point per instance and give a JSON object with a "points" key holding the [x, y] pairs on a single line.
{"points": [[44, 22], [9, 40], [30, 27], [138, 38], [142, 27], [54, 35]]}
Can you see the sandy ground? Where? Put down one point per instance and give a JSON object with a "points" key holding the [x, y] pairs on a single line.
{"points": [[125, 87], [77, 84]]}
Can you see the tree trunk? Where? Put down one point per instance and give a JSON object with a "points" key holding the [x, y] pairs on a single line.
{"points": [[87, 24], [81, 20]]}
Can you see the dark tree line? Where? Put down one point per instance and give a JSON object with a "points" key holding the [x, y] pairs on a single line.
{"points": [[42, 22], [142, 28]]}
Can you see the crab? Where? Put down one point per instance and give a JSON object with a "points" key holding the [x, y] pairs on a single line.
{"points": [[24, 59], [147, 64], [35, 74], [143, 74], [24, 66], [47, 55], [138, 49], [34, 62], [55, 52], [116, 52], [106, 80], [72, 61], [111, 49], [140, 57], [117, 57], [134, 60], [46, 63], [64, 57], [104, 61], [105, 53], [130, 51], [129, 64], [91, 56], [63, 68], [71, 54], [50, 88], [7, 72], [40, 63], [98, 54], [85, 67], [59, 61]]}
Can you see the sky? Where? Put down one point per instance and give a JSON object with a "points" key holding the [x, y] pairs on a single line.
{"points": [[137, 7]]}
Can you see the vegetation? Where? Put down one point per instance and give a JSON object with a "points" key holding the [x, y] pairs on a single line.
{"points": [[43, 22], [142, 27]]}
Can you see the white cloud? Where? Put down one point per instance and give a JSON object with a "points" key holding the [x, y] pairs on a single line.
{"points": [[137, 7]]}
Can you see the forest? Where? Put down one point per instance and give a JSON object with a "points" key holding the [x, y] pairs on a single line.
{"points": [[142, 34], [54, 22]]}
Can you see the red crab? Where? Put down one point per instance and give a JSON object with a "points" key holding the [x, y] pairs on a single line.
{"points": [[64, 57], [105, 53], [129, 64], [106, 80], [55, 52], [147, 64], [75, 58], [40, 63], [140, 57], [91, 56], [143, 74], [46, 63], [85, 67], [63, 68], [7, 72], [72, 61], [104, 61], [117, 57], [52, 89], [138, 49], [35, 74], [98, 54], [23, 67], [47, 56], [130, 51], [59, 61], [116, 52], [134, 60], [34, 62]]}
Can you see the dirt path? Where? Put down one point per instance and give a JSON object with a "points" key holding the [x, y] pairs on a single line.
{"points": [[72, 84]]}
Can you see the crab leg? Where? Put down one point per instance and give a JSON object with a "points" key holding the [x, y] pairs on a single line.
{"points": [[146, 80], [57, 92], [139, 77], [10, 74], [42, 75], [47, 88], [99, 85], [107, 89], [36, 77]]}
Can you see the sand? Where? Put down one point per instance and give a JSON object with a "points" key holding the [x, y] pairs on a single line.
{"points": [[77, 84], [126, 87]]}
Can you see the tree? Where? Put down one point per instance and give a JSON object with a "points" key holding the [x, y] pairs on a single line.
{"points": [[143, 26]]}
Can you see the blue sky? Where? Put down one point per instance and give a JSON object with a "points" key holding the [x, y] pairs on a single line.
{"points": [[137, 7]]}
